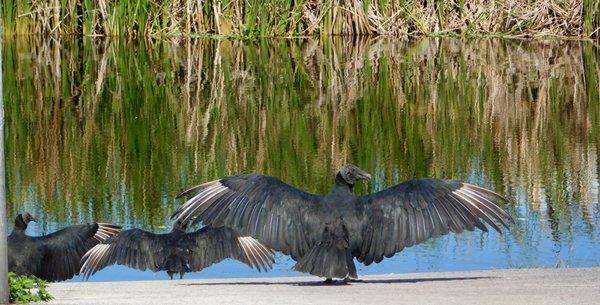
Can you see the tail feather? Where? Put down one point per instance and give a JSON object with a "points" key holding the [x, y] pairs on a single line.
{"points": [[175, 264], [328, 259]]}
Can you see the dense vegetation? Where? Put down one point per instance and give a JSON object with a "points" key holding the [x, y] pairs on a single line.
{"points": [[250, 18], [25, 289]]}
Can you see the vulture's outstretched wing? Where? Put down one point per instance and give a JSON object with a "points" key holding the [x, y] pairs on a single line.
{"points": [[414, 211], [63, 249], [264, 207], [134, 248], [211, 245]]}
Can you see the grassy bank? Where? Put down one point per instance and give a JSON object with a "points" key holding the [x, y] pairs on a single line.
{"points": [[253, 18]]}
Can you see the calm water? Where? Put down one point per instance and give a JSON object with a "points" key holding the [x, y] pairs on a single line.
{"points": [[113, 130]]}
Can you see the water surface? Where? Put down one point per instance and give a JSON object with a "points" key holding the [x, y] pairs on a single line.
{"points": [[112, 130]]}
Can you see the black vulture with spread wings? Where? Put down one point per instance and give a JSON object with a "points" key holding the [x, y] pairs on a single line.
{"points": [[53, 257], [324, 233], [177, 251]]}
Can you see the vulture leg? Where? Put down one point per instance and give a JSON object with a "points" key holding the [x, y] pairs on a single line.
{"points": [[181, 275], [334, 282], [170, 274], [331, 257]]}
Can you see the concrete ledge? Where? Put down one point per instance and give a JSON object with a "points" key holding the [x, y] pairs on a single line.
{"points": [[512, 286]]}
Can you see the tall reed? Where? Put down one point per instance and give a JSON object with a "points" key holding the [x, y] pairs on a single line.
{"points": [[252, 18]]}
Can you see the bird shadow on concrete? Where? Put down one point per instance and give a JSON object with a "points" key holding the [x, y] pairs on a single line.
{"points": [[342, 283]]}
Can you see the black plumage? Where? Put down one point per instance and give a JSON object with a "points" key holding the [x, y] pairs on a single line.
{"points": [[177, 251], [53, 257], [324, 233]]}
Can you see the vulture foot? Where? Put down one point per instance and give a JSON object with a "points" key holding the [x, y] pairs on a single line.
{"points": [[334, 282]]}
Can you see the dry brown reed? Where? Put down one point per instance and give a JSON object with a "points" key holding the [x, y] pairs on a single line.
{"points": [[253, 18]]}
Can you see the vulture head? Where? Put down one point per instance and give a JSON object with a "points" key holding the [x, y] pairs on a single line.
{"points": [[24, 219], [352, 173]]}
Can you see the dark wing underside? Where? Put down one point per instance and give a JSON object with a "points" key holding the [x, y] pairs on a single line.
{"points": [[380, 225], [144, 250], [414, 211], [277, 214], [134, 248], [62, 250], [211, 245]]}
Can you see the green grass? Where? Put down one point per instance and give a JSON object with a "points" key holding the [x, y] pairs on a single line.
{"points": [[591, 17], [280, 18]]}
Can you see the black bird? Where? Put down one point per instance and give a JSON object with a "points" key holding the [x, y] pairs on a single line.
{"points": [[53, 257], [324, 233], [177, 251]]}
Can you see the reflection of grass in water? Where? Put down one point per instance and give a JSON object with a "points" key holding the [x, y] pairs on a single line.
{"points": [[112, 130]]}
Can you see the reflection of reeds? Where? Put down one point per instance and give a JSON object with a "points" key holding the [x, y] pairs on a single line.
{"points": [[281, 18], [114, 130]]}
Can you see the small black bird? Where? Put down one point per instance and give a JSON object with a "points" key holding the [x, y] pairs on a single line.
{"points": [[53, 257], [177, 251], [324, 233]]}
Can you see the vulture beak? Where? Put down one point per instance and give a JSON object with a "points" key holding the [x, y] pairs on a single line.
{"points": [[26, 217], [361, 174]]}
